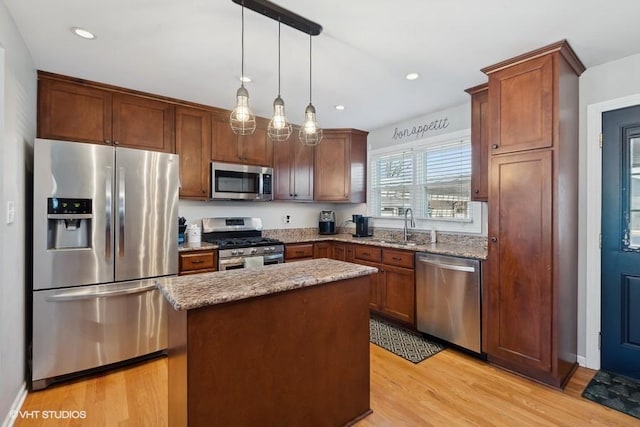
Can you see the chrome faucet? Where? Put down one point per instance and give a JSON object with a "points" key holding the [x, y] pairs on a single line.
{"points": [[412, 224]]}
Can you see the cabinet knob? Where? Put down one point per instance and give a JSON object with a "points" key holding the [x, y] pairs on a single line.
{"points": [[494, 146], [290, 195], [476, 191], [107, 141], [116, 142], [494, 239], [295, 195]]}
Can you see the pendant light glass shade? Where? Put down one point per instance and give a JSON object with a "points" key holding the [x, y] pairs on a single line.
{"points": [[310, 133], [279, 128], [242, 120]]}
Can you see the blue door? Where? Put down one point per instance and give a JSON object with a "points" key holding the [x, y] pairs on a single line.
{"points": [[620, 352]]}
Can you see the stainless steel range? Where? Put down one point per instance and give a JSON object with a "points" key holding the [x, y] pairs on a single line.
{"points": [[240, 242]]}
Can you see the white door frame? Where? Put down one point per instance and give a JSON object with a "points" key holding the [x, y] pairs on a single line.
{"points": [[593, 219]]}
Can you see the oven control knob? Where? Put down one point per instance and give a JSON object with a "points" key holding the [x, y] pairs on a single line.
{"points": [[240, 251], [254, 251], [234, 252]]}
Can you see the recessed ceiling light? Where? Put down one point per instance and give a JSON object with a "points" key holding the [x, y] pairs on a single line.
{"points": [[245, 79], [412, 76], [340, 107], [81, 32]]}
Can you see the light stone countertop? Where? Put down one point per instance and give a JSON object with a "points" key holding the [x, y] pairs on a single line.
{"points": [[454, 249], [202, 246], [200, 290]]}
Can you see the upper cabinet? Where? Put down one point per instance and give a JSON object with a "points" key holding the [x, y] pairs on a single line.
{"points": [[75, 110], [340, 172], [479, 142], [193, 142], [226, 146], [293, 169], [521, 102]]}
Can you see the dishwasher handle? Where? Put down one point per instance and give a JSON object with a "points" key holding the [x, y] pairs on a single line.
{"points": [[466, 269]]}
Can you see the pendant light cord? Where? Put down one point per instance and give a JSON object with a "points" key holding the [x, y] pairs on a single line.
{"points": [[242, 61], [278, 58], [310, 68]]}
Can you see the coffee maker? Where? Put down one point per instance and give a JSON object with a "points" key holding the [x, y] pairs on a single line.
{"points": [[327, 223], [364, 228]]}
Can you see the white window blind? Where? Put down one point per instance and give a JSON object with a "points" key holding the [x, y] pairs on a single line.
{"points": [[434, 180], [392, 183]]}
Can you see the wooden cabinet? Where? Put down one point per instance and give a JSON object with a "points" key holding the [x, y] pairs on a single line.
{"points": [[198, 261], [298, 251], [193, 144], [293, 170], [340, 166], [531, 283], [479, 142], [322, 250], [226, 146], [392, 289], [343, 251], [76, 110]]}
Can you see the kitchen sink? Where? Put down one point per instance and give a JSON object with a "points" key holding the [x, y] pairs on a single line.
{"points": [[393, 242]]}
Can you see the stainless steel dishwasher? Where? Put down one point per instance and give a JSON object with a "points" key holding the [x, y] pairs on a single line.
{"points": [[448, 299]]}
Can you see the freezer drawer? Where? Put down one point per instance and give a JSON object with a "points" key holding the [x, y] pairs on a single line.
{"points": [[86, 327], [448, 295]]}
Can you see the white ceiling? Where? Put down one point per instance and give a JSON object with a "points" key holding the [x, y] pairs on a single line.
{"points": [[190, 49]]}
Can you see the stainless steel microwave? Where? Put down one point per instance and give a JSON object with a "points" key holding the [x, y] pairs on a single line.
{"points": [[231, 181]]}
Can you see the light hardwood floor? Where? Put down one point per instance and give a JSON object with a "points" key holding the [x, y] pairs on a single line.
{"points": [[448, 389]]}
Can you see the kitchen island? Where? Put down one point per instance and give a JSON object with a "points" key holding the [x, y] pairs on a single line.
{"points": [[284, 344]]}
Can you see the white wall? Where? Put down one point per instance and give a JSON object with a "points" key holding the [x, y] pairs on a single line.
{"points": [[17, 131], [606, 83]]}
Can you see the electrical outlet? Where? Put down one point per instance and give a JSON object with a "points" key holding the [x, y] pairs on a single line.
{"points": [[11, 211], [287, 219]]}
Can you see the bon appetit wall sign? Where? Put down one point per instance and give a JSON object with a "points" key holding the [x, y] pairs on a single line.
{"points": [[419, 131]]}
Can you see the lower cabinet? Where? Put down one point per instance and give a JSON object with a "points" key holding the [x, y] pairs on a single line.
{"points": [[298, 252], [392, 289], [342, 251], [198, 261], [322, 250]]}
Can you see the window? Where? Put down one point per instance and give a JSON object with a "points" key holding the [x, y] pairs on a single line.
{"points": [[434, 179]]}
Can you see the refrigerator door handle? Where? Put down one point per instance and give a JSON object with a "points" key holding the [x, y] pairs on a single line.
{"points": [[108, 212], [83, 294], [121, 210]]}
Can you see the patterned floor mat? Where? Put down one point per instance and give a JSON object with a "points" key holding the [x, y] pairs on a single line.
{"points": [[619, 393], [405, 343]]}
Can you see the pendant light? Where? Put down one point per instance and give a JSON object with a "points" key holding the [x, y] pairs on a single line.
{"points": [[242, 120], [310, 133], [279, 128]]}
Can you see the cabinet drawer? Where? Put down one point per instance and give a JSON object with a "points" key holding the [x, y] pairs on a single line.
{"points": [[197, 260], [398, 258], [297, 251], [368, 253]]}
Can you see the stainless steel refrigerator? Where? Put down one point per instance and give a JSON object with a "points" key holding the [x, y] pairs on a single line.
{"points": [[105, 224]]}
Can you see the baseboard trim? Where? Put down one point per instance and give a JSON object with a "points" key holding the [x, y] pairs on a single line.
{"points": [[15, 406], [582, 361]]}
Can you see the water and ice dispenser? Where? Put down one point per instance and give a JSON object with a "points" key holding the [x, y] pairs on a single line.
{"points": [[69, 223]]}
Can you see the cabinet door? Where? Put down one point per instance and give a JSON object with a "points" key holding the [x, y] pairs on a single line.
{"points": [[332, 168], [256, 149], [397, 296], [73, 112], [303, 170], [224, 143], [298, 251], [519, 286], [521, 103], [143, 123], [480, 145], [193, 142], [283, 169], [322, 250]]}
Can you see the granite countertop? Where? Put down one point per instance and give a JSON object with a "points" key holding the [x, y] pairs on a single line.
{"points": [[200, 290], [454, 249], [201, 246]]}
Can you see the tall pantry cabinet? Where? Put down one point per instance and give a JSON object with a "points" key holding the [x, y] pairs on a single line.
{"points": [[531, 288]]}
